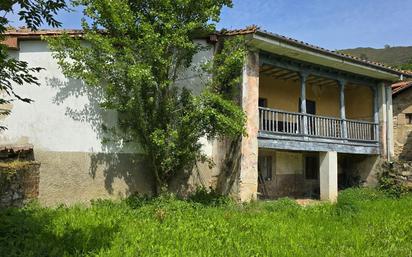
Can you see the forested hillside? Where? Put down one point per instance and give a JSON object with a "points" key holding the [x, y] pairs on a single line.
{"points": [[399, 56]]}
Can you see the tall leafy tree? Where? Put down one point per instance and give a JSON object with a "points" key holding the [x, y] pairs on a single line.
{"points": [[33, 13], [135, 51]]}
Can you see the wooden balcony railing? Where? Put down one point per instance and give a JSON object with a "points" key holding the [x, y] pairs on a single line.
{"points": [[291, 123]]}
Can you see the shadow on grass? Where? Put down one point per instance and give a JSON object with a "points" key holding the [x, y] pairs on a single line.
{"points": [[27, 232]]}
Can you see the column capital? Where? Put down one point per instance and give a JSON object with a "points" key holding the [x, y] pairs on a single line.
{"points": [[342, 82], [304, 75]]}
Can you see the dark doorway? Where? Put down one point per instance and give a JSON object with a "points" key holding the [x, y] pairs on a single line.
{"points": [[312, 167], [263, 102], [310, 106]]}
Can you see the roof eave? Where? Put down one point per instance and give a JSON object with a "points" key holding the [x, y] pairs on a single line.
{"points": [[281, 46]]}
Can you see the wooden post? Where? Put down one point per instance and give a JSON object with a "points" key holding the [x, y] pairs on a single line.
{"points": [[382, 119], [303, 77], [376, 112], [342, 107]]}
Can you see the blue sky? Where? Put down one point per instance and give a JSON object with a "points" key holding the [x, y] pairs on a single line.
{"points": [[333, 24]]}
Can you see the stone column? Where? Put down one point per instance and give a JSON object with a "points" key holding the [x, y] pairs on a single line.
{"points": [[248, 177], [382, 119], [389, 118], [328, 176]]}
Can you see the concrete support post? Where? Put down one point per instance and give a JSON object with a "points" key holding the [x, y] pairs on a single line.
{"points": [[303, 77], [389, 118], [328, 176], [248, 177], [342, 107], [382, 119]]}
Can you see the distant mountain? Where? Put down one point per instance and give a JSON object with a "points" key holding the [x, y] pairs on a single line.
{"points": [[393, 56]]}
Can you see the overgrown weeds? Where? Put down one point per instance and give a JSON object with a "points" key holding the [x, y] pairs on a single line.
{"points": [[209, 197], [365, 222], [391, 180]]}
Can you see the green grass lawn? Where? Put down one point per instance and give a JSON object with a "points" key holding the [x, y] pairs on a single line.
{"points": [[363, 223]]}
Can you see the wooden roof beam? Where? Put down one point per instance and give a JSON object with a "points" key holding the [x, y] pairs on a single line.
{"points": [[290, 76]]}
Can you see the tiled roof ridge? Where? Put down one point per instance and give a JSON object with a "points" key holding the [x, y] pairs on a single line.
{"points": [[23, 31], [232, 32], [252, 29], [400, 86]]}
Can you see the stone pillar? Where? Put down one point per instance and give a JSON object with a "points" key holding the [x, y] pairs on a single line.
{"points": [[382, 119], [389, 118], [342, 107], [248, 177], [328, 176]]}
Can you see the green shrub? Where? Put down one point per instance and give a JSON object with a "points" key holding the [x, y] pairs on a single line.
{"points": [[209, 197], [349, 200], [136, 200], [389, 181]]}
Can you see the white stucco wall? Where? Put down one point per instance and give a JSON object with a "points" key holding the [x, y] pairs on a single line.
{"points": [[65, 116], [195, 79]]}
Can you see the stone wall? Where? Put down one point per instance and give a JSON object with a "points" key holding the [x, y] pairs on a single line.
{"points": [[398, 174], [402, 105], [359, 170], [19, 183]]}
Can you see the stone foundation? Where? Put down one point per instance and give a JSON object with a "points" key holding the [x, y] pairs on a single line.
{"points": [[19, 183]]}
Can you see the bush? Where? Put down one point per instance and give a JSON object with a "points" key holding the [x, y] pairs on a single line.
{"points": [[209, 197], [390, 181], [136, 200], [349, 200]]}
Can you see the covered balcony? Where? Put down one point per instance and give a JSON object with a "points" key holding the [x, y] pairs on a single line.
{"points": [[306, 108], [273, 121]]}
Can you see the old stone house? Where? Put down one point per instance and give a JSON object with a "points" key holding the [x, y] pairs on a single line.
{"points": [[317, 120], [402, 119]]}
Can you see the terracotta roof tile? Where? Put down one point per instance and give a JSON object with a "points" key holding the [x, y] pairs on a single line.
{"points": [[14, 35], [400, 86], [248, 30], [16, 148], [41, 32]]}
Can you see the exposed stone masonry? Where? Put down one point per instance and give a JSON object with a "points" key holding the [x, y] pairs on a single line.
{"points": [[19, 175], [402, 108], [401, 172], [19, 183]]}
